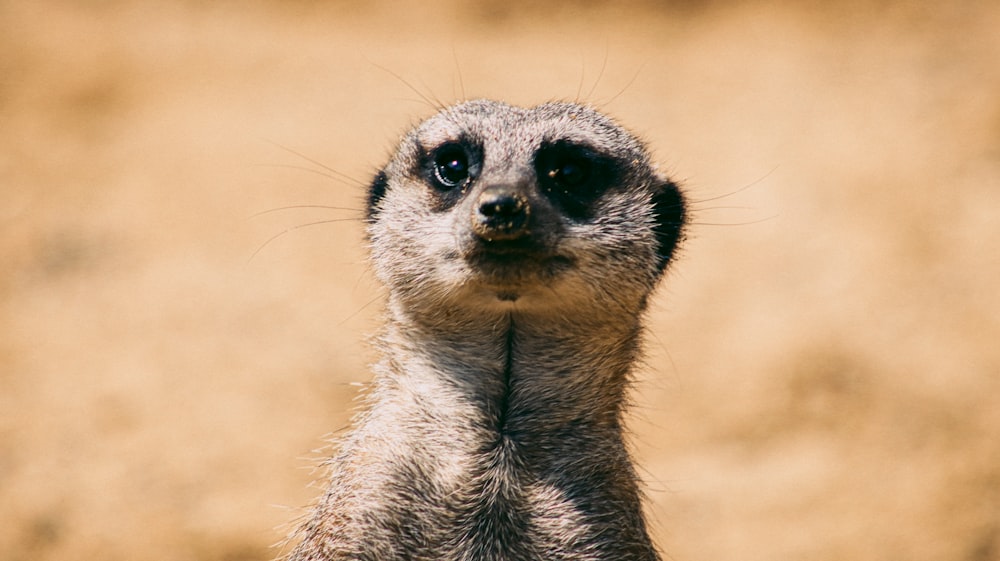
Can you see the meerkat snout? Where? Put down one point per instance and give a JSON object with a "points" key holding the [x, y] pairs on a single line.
{"points": [[501, 214]]}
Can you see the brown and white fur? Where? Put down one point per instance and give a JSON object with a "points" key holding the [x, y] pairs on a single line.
{"points": [[519, 248]]}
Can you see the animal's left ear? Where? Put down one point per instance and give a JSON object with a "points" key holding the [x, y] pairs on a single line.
{"points": [[670, 212], [375, 193]]}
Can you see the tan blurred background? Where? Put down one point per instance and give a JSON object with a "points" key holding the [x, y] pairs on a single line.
{"points": [[823, 371]]}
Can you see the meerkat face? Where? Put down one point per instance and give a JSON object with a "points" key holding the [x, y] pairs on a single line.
{"points": [[486, 201]]}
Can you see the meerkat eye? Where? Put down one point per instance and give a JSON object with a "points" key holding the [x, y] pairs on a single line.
{"points": [[569, 173], [573, 176], [451, 166], [565, 167]]}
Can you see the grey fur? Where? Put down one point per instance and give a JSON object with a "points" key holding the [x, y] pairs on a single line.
{"points": [[494, 423]]}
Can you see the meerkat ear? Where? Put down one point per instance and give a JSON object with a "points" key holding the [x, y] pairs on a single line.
{"points": [[670, 213], [375, 193]]}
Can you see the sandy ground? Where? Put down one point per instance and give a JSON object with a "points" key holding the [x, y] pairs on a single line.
{"points": [[823, 362]]}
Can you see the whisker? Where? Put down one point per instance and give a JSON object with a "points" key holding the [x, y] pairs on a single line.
{"points": [[458, 71], [604, 66], [624, 88], [293, 228], [705, 208], [359, 310], [290, 207], [341, 177], [749, 223], [430, 101], [583, 74], [740, 190], [317, 163], [438, 104]]}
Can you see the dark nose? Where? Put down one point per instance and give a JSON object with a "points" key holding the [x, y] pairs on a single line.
{"points": [[501, 214]]}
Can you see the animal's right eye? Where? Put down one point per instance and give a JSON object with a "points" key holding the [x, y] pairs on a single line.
{"points": [[451, 166], [573, 175]]}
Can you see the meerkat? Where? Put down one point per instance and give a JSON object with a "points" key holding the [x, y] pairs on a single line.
{"points": [[519, 247]]}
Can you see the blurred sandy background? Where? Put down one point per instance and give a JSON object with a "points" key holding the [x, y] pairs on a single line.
{"points": [[824, 369]]}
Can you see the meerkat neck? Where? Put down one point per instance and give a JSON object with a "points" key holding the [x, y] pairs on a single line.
{"points": [[515, 423], [515, 370]]}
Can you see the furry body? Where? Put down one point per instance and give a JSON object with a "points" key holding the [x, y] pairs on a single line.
{"points": [[519, 248]]}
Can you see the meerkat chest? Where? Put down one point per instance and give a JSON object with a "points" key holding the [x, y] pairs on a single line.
{"points": [[507, 512]]}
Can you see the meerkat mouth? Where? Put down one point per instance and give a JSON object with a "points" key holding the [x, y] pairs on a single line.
{"points": [[516, 257], [507, 296], [510, 272]]}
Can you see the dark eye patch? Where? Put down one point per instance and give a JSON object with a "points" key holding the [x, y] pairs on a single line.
{"points": [[573, 176]]}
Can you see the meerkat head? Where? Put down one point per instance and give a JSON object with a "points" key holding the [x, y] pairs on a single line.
{"points": [[489, 205]]}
